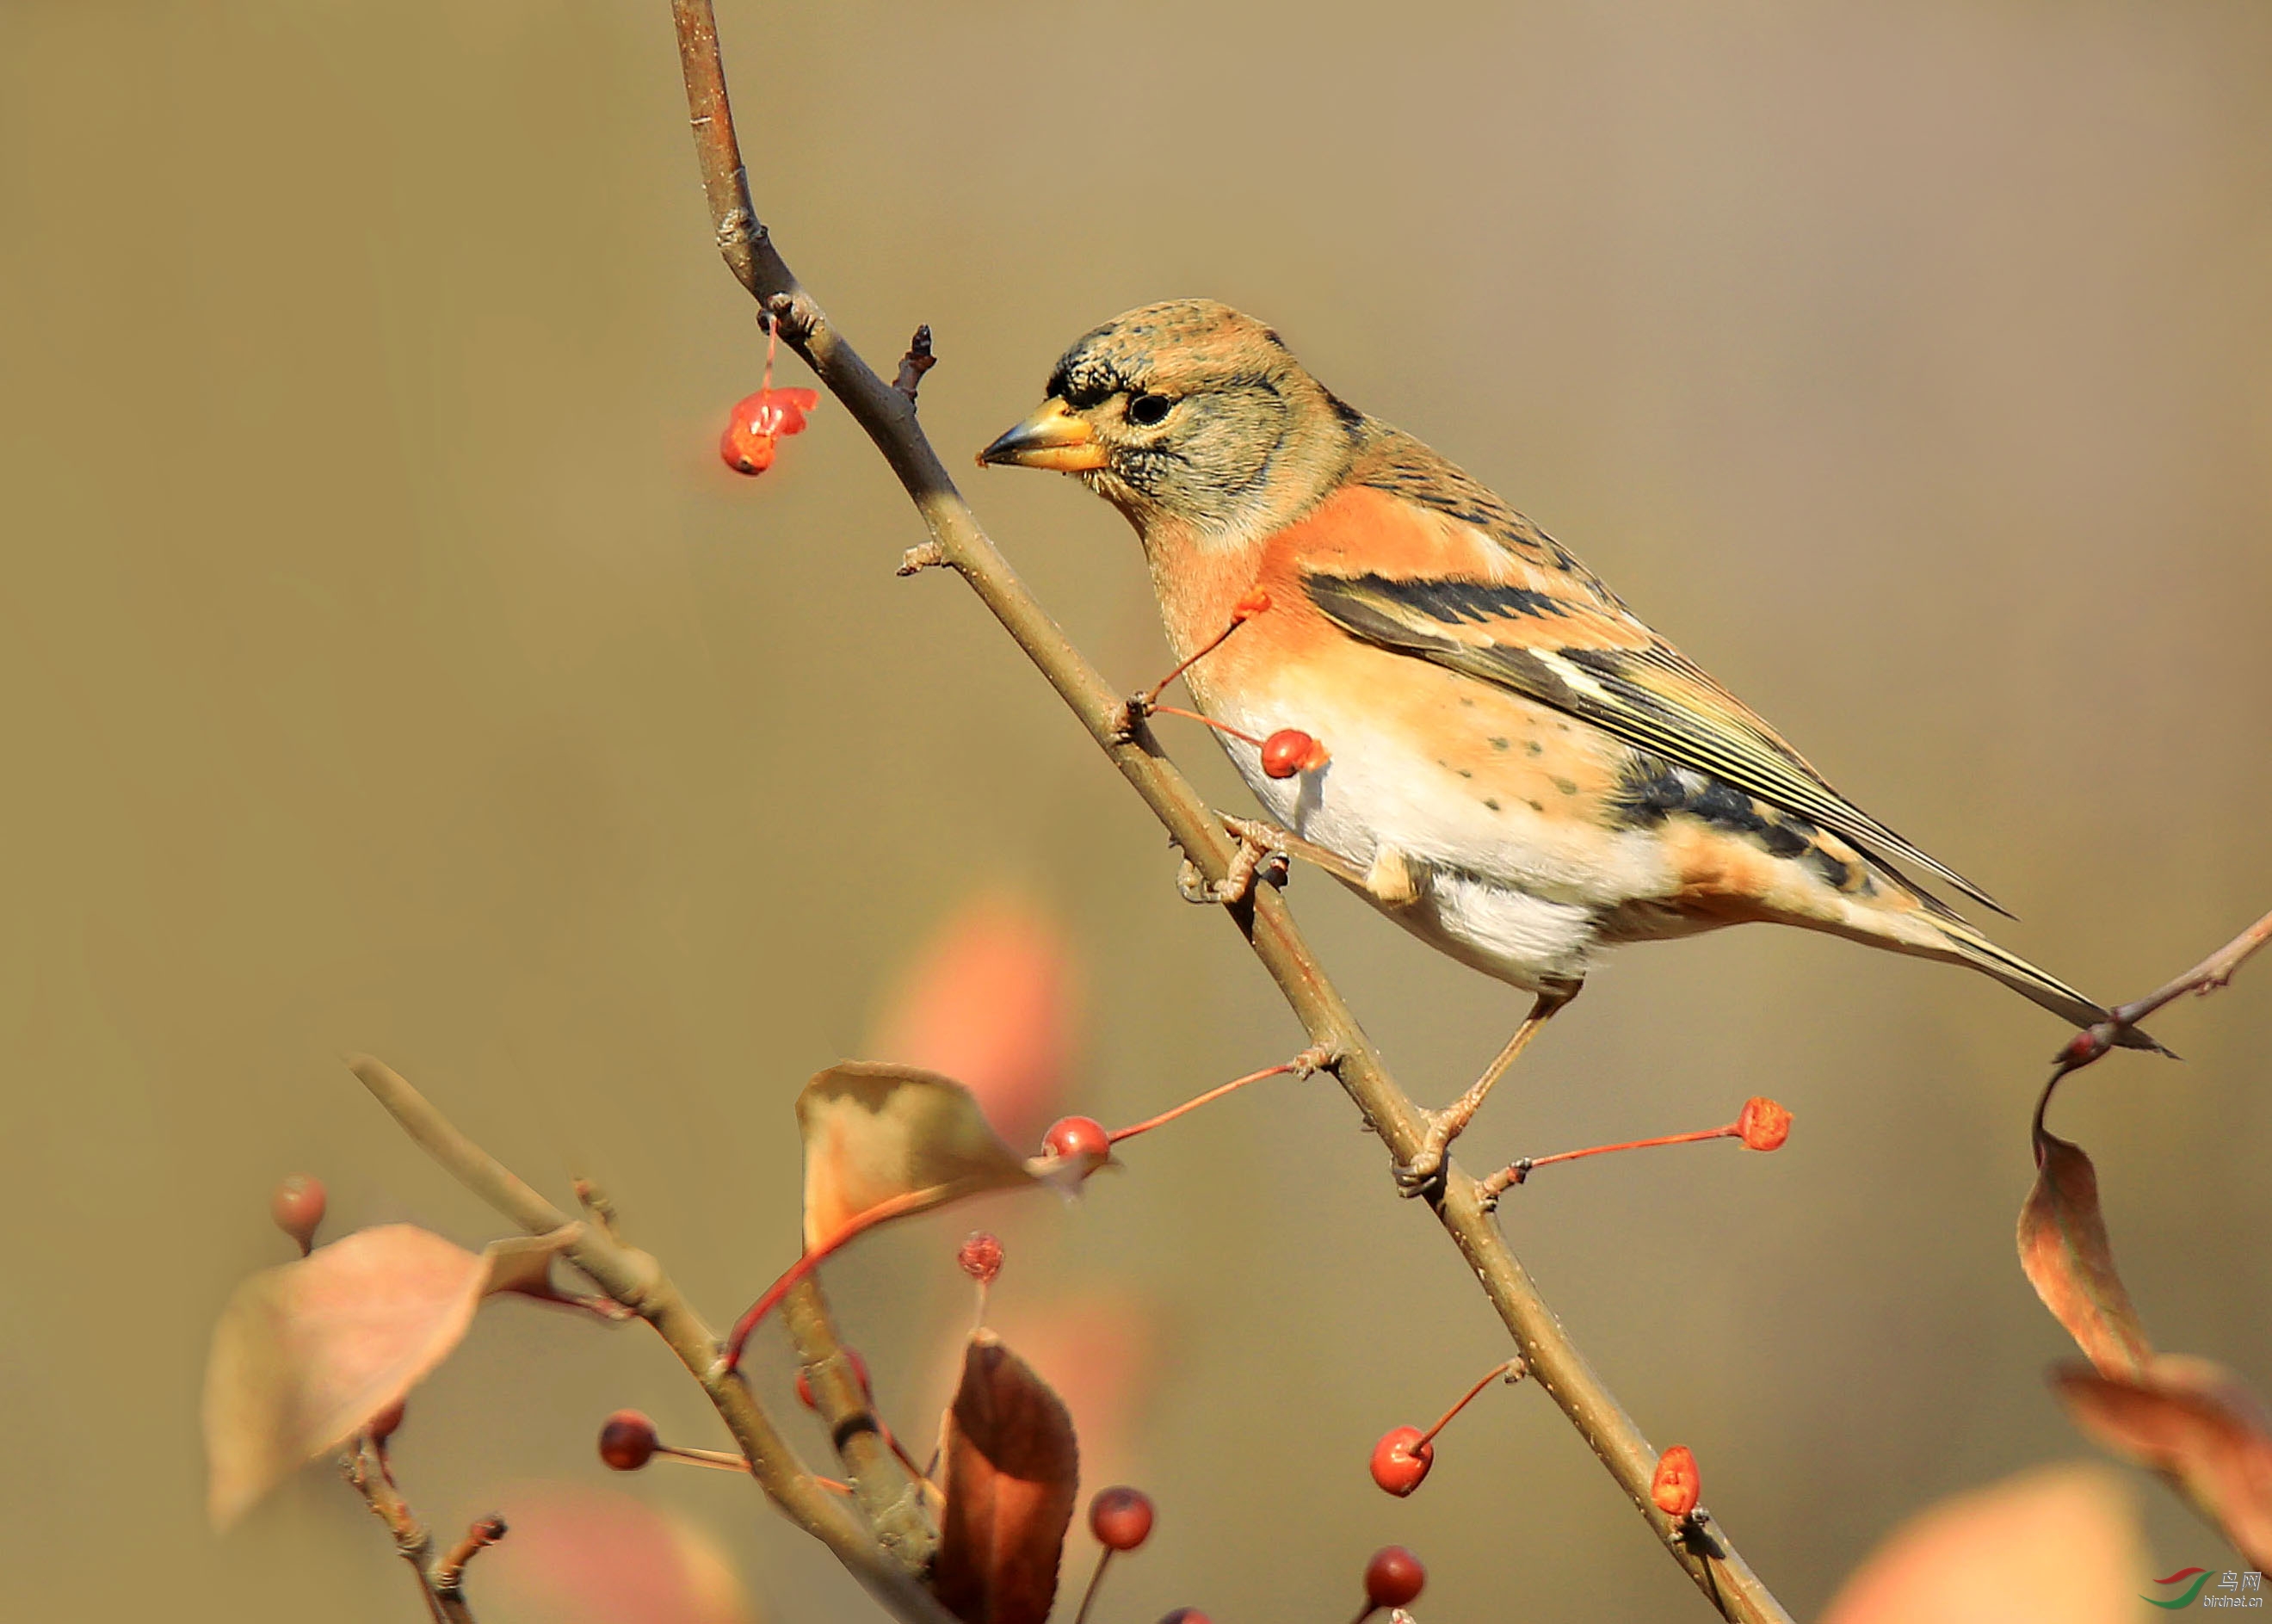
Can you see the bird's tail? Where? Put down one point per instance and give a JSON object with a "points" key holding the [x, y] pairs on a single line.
{"points": [[1967, 945]]}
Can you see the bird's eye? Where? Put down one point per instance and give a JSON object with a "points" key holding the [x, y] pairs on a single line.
{"points": [[1150, 411]]}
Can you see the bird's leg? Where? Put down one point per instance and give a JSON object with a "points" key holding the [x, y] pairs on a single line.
{"points": [[1426, 1170], [1262, 831]]}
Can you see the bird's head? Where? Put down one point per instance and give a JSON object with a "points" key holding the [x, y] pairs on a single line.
{"points": [[1188, 412]]}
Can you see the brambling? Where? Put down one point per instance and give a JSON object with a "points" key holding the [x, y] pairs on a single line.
{"points": [[1512, 765]]}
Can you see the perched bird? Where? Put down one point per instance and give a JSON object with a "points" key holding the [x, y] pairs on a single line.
{"points": [[1514, 765]]}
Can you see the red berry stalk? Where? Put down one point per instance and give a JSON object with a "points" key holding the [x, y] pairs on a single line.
{"points": [[1404, 1454], [1121, 1519], [1762, 1124]]}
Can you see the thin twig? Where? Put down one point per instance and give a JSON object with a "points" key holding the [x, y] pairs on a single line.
{"points": [[2214, 971], [915, 362], [2093, 1044], [366, 1468], [1261, 914], [449, 1572], [637, 1281]]}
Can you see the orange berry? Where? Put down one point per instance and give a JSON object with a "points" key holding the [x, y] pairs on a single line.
{"points": [[1255, 602], [1763, 1124], [757, 421], [981, 1257], [1676, 1485]]}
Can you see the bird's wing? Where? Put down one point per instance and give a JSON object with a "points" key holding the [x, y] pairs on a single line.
{"points": [[1551, 632]]}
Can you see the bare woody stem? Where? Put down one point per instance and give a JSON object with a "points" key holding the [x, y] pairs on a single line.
{"points": [[635, 1280], [1260, 914], [438, 1582]]}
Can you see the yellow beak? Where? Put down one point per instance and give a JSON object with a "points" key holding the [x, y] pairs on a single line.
{"points": [[1052, 438]]}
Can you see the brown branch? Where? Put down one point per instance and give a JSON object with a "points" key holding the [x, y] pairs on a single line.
{"points": [[635, 1280], [1261, 915]]}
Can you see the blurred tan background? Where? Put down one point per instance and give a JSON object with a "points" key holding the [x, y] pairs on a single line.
{"points": [[389, 664]]}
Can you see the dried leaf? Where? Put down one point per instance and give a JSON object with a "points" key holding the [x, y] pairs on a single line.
{"points": [[304, 1355], [2193, 1421], [877, 1133], [2057, 1546], [2070, 1262], [600, 1556], [991, 1000], [1009, 1470]]}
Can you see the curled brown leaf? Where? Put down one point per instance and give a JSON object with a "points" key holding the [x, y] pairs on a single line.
{"points": [[2069, 1259], [1011, 1469]]}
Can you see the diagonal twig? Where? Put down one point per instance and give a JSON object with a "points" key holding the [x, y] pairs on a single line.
{"points": [[957, 541]]}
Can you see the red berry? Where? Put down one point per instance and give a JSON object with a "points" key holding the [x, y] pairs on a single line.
{"points": [[297, 1207], [1763, 1124], [981, 1257], [1402, 1459], [1121, 1519], [1676, 1485], [627, 1441], [1081, 1139], [1291, 751], [385, 1424], [1393, 1577], [757, 421], [746, 451], [1255, 602], [859, 1368]]}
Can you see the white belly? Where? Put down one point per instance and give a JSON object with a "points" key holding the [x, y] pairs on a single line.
{"points": [[1515, 893]]}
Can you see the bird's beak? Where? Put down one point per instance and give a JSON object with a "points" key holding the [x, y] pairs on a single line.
{"points": [[1052, 438]]}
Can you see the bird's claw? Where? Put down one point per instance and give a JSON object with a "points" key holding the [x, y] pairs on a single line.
{"points": [[1423, 1174], [1130, 717], [1255, 859]]}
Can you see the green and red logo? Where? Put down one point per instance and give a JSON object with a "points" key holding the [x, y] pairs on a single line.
{"points": [[2191, 1578]]}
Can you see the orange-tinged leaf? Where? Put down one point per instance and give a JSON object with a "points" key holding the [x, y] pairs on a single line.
{"points": [[2056, 1546], [2194, 1422], [1010, 1471], [2070, 1262], [877, 1133], [991, 1000], [305, 1355]]}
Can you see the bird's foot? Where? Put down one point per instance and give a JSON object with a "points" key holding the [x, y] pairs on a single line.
{"points": [[1130, 717], [1258, 857], [1424, 1175]]}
